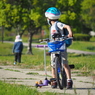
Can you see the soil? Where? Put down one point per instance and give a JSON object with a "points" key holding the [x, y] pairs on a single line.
{"points": [[13, 74]]}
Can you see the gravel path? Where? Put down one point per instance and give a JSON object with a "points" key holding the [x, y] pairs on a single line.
{"points": [[12, 74]]}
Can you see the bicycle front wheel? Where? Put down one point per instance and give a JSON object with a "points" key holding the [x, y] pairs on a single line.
{"points": [[60, 73]]}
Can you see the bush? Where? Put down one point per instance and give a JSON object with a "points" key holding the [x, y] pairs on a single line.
{"points": [[92, 39], [82, 37], [9, 38]]}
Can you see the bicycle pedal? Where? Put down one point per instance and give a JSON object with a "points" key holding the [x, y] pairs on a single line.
{"points": [[72, 66], [52, 79]]}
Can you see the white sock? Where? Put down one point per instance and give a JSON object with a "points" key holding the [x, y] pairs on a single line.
{"points": [[69, 80]]}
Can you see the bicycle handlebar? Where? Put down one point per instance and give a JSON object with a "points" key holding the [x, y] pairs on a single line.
{"points": [[42, 40], [62, 38]]}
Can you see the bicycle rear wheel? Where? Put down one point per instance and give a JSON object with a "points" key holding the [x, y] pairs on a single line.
{"points": [[60, 73]]}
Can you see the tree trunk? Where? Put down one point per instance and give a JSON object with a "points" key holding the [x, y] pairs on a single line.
{"points": [[31, 33], [29, 50], [2, 34]]}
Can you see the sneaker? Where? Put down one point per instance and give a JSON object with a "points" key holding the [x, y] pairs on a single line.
{"points": [[14, 63], [53, 84], [69, 84]]}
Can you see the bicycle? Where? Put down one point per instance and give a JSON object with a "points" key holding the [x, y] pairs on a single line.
{"points": [[57, 46]]}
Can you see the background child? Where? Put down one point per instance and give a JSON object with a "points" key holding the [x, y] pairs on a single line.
{"points": [[17, 49]]}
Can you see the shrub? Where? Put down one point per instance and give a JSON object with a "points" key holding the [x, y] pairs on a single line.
{"points": [[9, 38], [92, 39], [81, 37]]}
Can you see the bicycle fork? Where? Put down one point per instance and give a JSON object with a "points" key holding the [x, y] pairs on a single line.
{"points": [[59, 63]]}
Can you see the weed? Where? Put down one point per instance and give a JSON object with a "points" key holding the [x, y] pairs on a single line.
{"points": [[32, 73], [1, 68], [13, 70]]}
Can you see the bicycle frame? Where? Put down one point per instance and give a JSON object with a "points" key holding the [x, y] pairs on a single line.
{"points": [[56, 47]]}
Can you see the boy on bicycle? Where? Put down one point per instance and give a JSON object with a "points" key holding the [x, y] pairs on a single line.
{"points": [[52, 14]]}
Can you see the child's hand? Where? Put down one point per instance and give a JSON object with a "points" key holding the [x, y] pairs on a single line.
{"points": [[69, 35]]}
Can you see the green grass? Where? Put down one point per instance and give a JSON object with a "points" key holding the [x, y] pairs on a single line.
{"points": [[13, 89], [84, 63], [36, 61], [83, 45], [13, 70], [28, 61], [32, 73]]}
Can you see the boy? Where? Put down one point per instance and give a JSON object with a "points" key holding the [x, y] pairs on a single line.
{"points": [[52, 14]]}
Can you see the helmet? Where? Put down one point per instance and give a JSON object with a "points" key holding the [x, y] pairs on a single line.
{"points": [[52, 13]]}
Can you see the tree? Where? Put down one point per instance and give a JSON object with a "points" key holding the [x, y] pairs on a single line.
{"points": [[88, 13], [4, 9], [70, 13], [27, 14]]}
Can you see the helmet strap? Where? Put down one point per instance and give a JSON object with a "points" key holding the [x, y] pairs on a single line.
{"points": [[49, 22]]}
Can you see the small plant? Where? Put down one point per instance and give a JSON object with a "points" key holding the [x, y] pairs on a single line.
{"points": [[1, 68], [75, 92], [32, 73], [13, 70]]}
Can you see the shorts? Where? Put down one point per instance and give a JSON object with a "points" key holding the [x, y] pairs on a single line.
{"points": [[64, 58]]}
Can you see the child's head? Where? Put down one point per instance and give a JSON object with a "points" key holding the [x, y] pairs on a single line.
{"points": [[52, 14], [18, 38]]}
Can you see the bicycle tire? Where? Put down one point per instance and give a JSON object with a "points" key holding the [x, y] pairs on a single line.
{"points": [[60, 73]]}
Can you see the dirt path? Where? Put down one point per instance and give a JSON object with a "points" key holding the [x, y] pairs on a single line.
{"points": [[13, 74]]}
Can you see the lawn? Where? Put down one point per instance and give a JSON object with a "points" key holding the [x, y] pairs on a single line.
{"points": [[13, 89], [83, 45], [83, 63], [37, 59]]}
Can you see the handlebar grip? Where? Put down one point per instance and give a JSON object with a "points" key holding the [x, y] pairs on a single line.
{"points": [[65, 37], [70, 38], [42, 40]]}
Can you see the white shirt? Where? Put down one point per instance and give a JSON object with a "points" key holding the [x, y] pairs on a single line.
{"points": [[53, 28]]}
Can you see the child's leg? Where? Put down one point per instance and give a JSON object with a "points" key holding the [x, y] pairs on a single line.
{"points": [[53, 65], [53, 73], [67, 70], [19, 57], [15, 57], [54, 82]]}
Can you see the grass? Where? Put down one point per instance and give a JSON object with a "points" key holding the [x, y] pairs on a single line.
{"points": [[13, 70], [13, 89], [84, 63], [28, 61], [32, 73], [36, 61], [83, 45]]}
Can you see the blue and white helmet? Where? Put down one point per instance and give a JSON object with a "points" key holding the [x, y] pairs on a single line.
{"points": [[52, 13]]}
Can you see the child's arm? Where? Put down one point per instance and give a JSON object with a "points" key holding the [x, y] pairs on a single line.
{"points": [[69, 30]]}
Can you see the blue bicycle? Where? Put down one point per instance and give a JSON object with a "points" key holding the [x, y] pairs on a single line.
{"points": [[56, 47]]}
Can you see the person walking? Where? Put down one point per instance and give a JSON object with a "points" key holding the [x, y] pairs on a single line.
{"points": [[17, 49], [52, 14]]}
